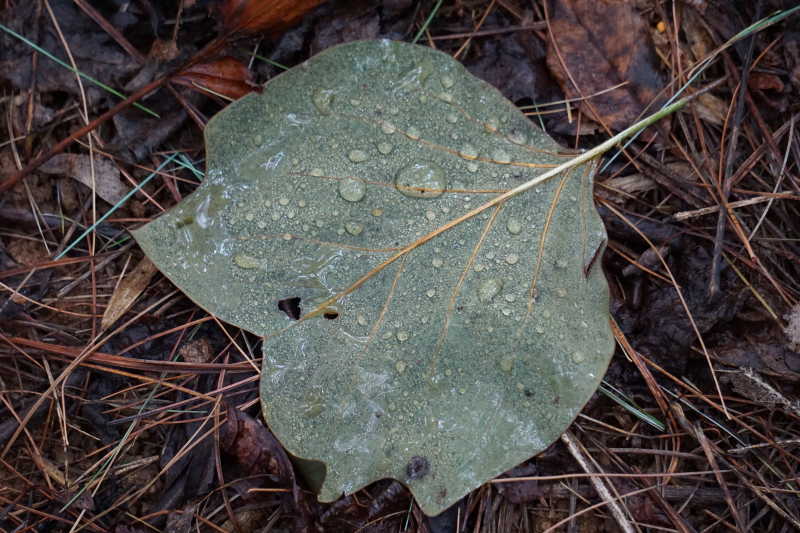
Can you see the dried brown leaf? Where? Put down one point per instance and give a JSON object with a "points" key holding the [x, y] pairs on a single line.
{"points": [[227, 76], [107, 183], [596, 45], [128, 290], [257, 15]]}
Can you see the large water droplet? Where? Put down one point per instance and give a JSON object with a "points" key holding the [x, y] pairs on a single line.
{"points": [[488, 289], [357, 156], [512, 259], [421, 180], [468, 152], [447, 82], [501, 156], [353, 228], [323, 98], [412, 133], [385, 148], [513, 226], [352, 189], [246, 261], [388, 128], [517, 137], [491, 125]]}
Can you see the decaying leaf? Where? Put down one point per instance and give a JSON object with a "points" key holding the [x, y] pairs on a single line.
{"points": [[106, 181], [397, 345], [258, 16], [129, 289], [226, 76], [600, 45]]}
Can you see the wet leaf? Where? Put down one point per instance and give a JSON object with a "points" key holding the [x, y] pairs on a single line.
{"points": [[600, 45], [441, 362], [227, 76]]}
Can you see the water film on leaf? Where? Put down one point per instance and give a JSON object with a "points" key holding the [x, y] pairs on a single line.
{"points": [[396, 345]]}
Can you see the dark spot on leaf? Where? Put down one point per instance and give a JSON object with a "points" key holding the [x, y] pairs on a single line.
{"points": [[291, 306], [441, 495], [331, 314], [418, 467], [528, 393]]}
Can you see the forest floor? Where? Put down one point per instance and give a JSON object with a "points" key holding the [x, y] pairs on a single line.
{"points": [[125, 407]]}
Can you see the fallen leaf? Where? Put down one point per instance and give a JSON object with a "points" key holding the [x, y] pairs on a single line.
{"points": [[258, 15], [128, 290], [107, 183], [439, 363], [227, 76], [597, 45]]}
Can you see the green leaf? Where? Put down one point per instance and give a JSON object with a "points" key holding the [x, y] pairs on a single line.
{"points": [[439, 354]]}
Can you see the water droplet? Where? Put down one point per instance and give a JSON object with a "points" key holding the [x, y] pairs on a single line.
{"points": [[539, 330], [517, 137], [578, 357], [468, 152], [400, 366], [283, 201], [246, 261], [513, 226], [323, 98], [452, 118], [562, 263], [489, 288], [316, 172], [301, 203], [446, 97], [402, 336], [421, 180], [287, 236], [352, 189], [385, 148], [388, 128], [447, 82], [510, 298], [561, 292], [431, 293], [353, 228], [546, 313], [507, 363], [361, 319], [290, 214], [430, 215], [479, 268], [437, 262], [491, 125], [412, 133], [355, 102], [506, 311], [472, 167], [501, 156], [357, 156], [490, 255], [249, 217], [376, 212], [512, 259]]}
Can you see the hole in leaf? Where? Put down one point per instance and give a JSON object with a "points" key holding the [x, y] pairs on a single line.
{"points": [[291, 306]]}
